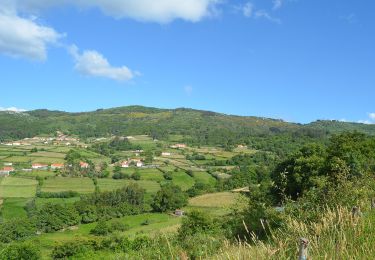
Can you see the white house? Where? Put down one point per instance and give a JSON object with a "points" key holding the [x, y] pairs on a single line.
{"points": [[166, 154], [39, 166], [140, 164], [125, 164]]}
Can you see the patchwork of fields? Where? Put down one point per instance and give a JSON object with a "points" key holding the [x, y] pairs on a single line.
{"points": [[173, 166]]}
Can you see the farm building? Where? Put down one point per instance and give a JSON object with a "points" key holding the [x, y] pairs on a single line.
{"points": [[179, 212], [6, 171], [55, 166], [84, 165], [125, 164], [176, 146], [39, 166]]}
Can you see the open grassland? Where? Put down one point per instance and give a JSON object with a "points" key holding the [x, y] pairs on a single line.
{"points": [[57, 184], [204, 177], [217, 204], [48, 154], [183, 180], [13, 208], [37, 173], [151, 175], [111, 184], [13, 187]]}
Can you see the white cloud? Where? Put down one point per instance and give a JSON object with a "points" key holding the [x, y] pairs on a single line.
{"points": [[370, 120], [277, 4], [188, 90], [248, 9], [371, 116], [92, 63], [162, 11], [12, 109], [24, 37], [265, 15]]}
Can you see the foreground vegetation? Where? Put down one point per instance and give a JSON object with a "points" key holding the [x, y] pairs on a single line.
{"points": [[243, 196]]}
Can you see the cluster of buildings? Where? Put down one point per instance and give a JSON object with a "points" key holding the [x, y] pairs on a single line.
{"points": [[136, 161], [8, 167]]}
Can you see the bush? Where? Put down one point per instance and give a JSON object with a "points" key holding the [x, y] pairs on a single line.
{"points": [[170, 197], [16, 229], [101, 229], [197, 222], [20, 251], [71, 249]]}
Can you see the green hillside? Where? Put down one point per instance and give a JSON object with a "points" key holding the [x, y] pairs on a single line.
{"points": [[196, 126]]}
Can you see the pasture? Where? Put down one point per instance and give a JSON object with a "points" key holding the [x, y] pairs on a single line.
{"points": [[57, 184], [14, 187]]}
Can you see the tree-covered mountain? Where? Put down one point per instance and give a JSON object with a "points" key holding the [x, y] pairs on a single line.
{"points": [[196, 126]]}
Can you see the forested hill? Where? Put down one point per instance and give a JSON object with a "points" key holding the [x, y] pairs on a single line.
{"points": [[196, 126]]}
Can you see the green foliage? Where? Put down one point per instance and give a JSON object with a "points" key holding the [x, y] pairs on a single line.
{"points": [[61, 194], [101, 229], [197, 222], [21, 251], [169, 197], [71, 249], [54, 217], [16, 229]]}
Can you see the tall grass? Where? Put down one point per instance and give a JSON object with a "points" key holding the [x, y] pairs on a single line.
{"points": [[337, 235]]}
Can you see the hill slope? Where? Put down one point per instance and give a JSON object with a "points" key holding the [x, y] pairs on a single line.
{"points": [[196, 126]]}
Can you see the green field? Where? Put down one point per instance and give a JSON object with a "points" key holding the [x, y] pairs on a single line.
{"points": [[13, 208], [183, 180], [57, 184], [111, 184], [12, 187], [204, 177]]}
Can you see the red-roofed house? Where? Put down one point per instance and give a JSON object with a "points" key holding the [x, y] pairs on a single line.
{"points": [[55, 166], [6, 170], [84, 165]]}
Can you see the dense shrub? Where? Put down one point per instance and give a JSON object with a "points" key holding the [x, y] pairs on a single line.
{"points": [[16, 229], [169, 197], [20, 251]]}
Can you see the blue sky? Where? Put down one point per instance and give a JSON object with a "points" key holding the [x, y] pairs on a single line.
{"points": [[299, 60]]}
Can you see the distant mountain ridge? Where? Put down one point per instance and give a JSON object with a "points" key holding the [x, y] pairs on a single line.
{"points": [[197, 126]]}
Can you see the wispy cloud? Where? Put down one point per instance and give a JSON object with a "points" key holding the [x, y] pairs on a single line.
{"points": [[12, 109], [277, 4], [92, 63], [265, 15], [248, 9], [188, 90], [350, 18]]}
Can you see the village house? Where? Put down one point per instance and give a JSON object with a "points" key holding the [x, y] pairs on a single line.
{"points": [[140, 164], [179, 212], [84, 165], [125, 164], [177, 146], [39, 166], [55, 166], [8, 164], [165, 154], [6, 171]]}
